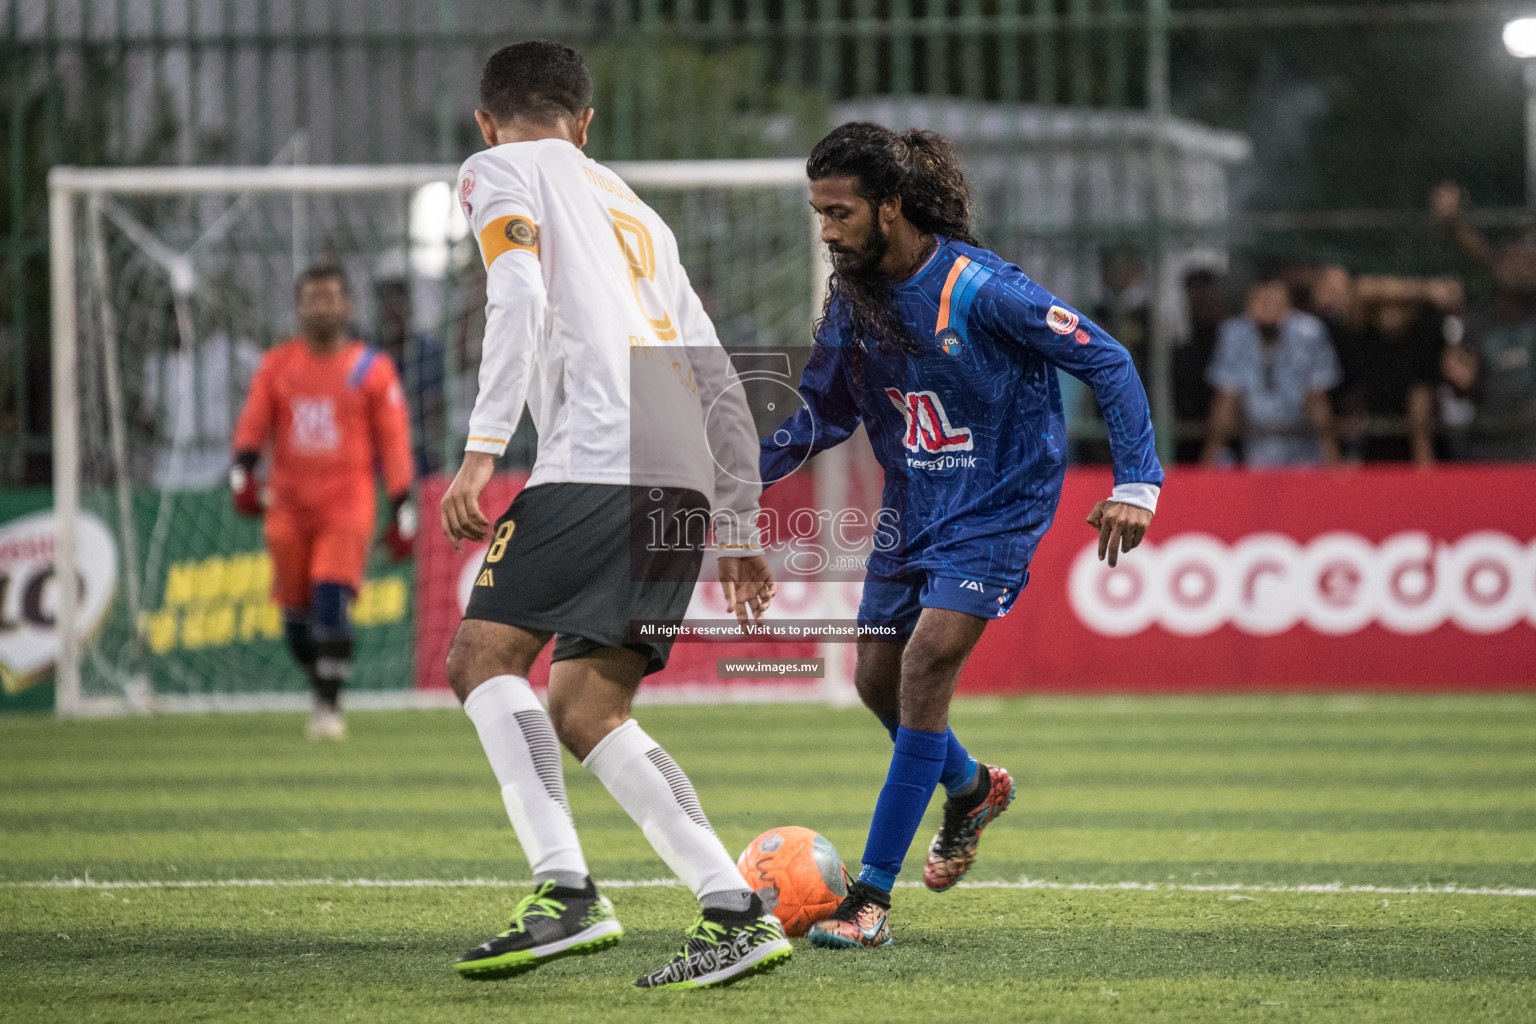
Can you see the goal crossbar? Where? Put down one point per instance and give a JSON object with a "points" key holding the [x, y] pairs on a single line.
{"points": [[353, 178]]}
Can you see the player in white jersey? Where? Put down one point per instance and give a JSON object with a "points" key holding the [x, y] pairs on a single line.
{"points": [[591, 321]]}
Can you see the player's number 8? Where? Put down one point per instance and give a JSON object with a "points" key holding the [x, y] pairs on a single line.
{"points": [[499, 545]]}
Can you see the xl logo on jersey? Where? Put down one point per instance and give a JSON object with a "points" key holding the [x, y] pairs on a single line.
{"points": [[928, 428], [314, 425]]}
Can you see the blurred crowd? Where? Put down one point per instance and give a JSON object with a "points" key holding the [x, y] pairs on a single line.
{"points": [[1316, 365], [1301, 364]]}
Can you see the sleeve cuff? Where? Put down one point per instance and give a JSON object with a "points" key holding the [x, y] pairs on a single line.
{"points": [[736, 540], [487, 440], [1138, 494]]}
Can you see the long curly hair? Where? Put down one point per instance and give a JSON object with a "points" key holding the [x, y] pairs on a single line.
{"points": [[919, 167]]}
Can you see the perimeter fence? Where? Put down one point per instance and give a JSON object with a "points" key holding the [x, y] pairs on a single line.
{"points": [[1104, 137]]}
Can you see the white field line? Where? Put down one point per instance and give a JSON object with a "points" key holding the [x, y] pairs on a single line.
{"points": [[668, 883]]}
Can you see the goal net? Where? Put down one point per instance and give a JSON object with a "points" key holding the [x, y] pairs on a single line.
{"points": [[170, 283]]}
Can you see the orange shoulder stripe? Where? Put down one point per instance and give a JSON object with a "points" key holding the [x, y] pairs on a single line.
{"points": [[949, 286]]}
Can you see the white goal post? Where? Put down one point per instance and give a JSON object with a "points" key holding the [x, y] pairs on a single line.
{"points": [[140, 250]]}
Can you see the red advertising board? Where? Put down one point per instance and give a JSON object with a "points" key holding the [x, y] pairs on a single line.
{"points": [[1357, 578], [1319, 579]]}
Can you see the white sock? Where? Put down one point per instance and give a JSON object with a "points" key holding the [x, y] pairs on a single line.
{"points": [[653, 790], [519, 739]]}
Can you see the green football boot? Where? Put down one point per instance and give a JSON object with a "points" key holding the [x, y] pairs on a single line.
{"points": [[545, 927], [721, 948]]}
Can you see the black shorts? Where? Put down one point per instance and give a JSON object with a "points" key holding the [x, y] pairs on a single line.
{"points": [[581, 561]]}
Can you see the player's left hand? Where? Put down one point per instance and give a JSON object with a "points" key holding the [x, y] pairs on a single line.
{"points": [[461, 516], [748, 585], [400, 537], [1120, 527]]}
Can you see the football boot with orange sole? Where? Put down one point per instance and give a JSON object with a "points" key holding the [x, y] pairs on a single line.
{"points": [[953, 850], [862, 919]]}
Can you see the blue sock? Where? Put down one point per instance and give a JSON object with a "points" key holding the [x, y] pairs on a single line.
{"points": [[915, 768], [959, 766]]}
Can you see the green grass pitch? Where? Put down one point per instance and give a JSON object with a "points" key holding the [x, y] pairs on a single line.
{"points": [[1227, 814]]}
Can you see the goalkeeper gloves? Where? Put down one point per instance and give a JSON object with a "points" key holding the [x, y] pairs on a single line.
{"points": [[400, 537], [246, 488]]}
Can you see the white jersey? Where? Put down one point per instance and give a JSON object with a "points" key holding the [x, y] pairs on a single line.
{"points": [[591, 320]]}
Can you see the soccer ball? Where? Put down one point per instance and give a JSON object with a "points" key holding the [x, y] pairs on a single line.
{"points": [[797, 874]]}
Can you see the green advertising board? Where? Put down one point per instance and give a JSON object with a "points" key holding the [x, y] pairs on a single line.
{"points": [[20, 689], [205, 625]]}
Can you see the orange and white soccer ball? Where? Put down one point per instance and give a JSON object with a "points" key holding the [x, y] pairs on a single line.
{"points": [[797, 874]]}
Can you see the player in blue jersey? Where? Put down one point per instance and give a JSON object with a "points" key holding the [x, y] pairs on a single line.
{"points": [[947, 354]]}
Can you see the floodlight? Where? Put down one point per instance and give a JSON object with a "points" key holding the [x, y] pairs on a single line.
{"points": [[1520, 37], [435, 222]]}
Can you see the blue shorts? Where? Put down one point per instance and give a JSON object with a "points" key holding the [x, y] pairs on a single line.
{"points": [[900, 601]]}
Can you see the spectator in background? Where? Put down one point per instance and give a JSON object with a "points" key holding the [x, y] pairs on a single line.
{"points": [[1458, 367], [1504, 390], [1332, 301], [188, 399], [1206, 305], [420, 358], [1391, 369], [1512, 263], [1300, 284], [1273, 369], [1124, 312], [1495, 365]]}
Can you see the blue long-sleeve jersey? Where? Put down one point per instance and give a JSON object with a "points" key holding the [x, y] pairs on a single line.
{"points": [[969, 429]]}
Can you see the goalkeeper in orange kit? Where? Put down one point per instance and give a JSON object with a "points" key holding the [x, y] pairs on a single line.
{"points": [[332, 410]]}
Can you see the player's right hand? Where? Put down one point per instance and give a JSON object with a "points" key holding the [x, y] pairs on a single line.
{"points": [[460, 507], [1121, 527], [247, 491], [748, 584]]}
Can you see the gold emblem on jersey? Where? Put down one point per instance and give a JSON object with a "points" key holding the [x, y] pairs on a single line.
{"points": [[522, 232]]}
